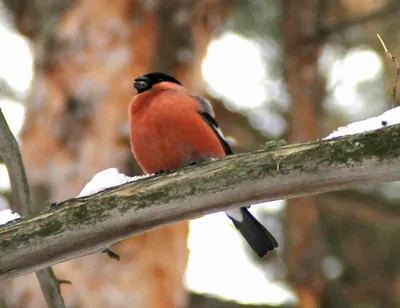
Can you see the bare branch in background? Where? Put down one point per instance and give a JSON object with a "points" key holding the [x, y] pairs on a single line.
{"points": [[21, 203], [9, 151], [395, 61], [82, 226]]}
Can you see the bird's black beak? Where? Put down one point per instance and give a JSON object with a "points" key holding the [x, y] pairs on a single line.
{"points": [[142, 84]]}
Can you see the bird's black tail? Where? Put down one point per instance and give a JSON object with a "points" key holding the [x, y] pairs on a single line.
{"points": [[258, 237]]}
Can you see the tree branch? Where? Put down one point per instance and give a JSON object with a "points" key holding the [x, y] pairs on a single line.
{"points": [[9, 151], [82, 226], [11, 155]]}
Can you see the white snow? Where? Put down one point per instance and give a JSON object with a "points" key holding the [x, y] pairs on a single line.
{"points": [[390, 117], [105, 179], [7, 215]]}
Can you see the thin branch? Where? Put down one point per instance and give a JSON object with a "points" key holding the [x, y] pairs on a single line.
{"points": [[396, 62], [11, 154], [82, 226], [50, 286], [112, 254], [9, 151]]}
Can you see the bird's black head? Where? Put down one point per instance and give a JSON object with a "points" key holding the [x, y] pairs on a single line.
{"points": [[145, 82]]}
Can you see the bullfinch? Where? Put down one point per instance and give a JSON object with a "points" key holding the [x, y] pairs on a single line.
{"points": [[171, 128]]}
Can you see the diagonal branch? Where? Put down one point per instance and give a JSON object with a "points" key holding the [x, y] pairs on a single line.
{"points": [[9, 151], [82, 226]]}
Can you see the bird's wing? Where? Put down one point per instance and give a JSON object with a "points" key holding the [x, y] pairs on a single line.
{"points": [[207, 113], [258, 237]]}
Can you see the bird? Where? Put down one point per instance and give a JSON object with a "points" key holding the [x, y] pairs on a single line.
{"points": [[171, 128]]}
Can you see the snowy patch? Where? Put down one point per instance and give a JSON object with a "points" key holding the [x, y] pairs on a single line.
{"points": [[388, 118], [7, 215], [106, 179]]}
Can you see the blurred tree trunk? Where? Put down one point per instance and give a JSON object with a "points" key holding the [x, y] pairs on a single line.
{"points": [[87, 54], [306, 86]]}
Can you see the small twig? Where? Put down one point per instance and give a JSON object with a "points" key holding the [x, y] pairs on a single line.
{"points": [[63, 281], [9, 151], [50, 286], [395, 61], [112, 254]]}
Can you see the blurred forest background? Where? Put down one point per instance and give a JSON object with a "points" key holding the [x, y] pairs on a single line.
{"points": [[291, 69]]}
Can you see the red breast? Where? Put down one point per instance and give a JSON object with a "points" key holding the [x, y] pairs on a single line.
{"points": [[167, 132]]}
